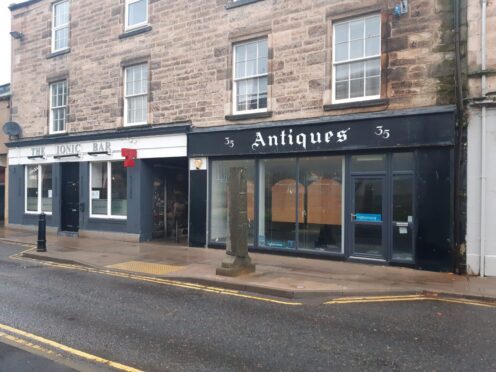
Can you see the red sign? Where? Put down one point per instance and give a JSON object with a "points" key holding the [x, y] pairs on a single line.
{"points": [[130, 155]]}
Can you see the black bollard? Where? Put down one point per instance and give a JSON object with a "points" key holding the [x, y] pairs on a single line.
{"points": [[41, 233]]}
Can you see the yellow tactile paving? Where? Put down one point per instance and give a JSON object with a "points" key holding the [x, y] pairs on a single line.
{"points": [[146, 267]]}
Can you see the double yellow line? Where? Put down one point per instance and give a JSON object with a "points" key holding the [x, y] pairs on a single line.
{"points": [[35, 342], [149, 279], [401, 298]]}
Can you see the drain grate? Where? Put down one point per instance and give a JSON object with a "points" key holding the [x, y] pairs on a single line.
{"points": [[146, 267]]}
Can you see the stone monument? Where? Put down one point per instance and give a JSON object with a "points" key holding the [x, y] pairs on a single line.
{"points": [[237, 261]]}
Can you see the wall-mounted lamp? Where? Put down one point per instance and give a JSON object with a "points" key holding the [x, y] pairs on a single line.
{"points": [[17, 35]]}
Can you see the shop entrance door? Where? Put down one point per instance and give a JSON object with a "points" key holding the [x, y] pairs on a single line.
{"points": [[70, 197], [367, 217]]}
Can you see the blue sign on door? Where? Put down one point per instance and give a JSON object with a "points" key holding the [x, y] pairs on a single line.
{"points": [[367, 217]]}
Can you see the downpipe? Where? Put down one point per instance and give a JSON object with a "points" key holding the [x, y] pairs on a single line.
{"points": [[483, 142]]}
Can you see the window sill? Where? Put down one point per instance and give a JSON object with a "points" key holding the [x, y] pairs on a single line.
{"points": [[357, 104], [109, 219], [135, 31], [58, 53], [234, 4], [254, 115]]}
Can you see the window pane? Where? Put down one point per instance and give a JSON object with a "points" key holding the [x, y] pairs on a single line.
{"points": [[251, 67], [342, 89], [277, 202], [341, 33], [356, 30], [99, 187], [373, 86], [119, 189], [240, 70], [137, 12], [341, 52], [322, 179], [368, 163], [62, 38], [357, 70], [373, 46], [262, 48], [240, 53], [402, 217], [262, 65], [372, 26], [403, 161], [219, 212], [61, 13], [356, 49], [373, 67], [342, 72], [136, 109], [46, 188], [356, 88], [32, 188]]}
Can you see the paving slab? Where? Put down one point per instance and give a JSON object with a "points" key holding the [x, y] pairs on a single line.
{"points": [[290, 277]]}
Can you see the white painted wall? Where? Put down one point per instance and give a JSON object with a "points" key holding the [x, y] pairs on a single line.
{"points": [[474, 192]]}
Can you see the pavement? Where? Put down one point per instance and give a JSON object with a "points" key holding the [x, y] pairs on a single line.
{"points": [[280, 276]]}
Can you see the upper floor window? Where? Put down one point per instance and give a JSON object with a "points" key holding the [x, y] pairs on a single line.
{"points": [[60, 26], [136, 13], [250, 76], [58, 106], [357, 59], [136, 94]]}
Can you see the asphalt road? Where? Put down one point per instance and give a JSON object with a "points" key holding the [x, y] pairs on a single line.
{"points": [[162, 328]]}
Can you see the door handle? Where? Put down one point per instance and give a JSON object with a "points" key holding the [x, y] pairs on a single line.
{"points": [[74, 210], [353, 216], [402, 224]]}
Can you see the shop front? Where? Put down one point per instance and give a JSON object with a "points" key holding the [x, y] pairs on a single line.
{"points": [[375, 187], [128, 184]]}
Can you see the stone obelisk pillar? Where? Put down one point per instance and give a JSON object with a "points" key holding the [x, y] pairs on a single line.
{"points": [[237, 261]]}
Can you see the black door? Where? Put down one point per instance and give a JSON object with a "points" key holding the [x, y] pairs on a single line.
{"points": [[70, 197]]}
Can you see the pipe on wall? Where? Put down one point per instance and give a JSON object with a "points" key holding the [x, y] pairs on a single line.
{"points": [[483, 141]]}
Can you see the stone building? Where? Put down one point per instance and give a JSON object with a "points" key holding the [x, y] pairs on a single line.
{"points": [[343, 114], [481, 114], [4, 117]]}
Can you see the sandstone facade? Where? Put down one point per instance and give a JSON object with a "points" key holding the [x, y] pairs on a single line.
{"points": [[189, 50]]}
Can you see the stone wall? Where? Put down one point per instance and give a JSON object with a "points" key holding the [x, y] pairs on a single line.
{"points": [[189, 51]]}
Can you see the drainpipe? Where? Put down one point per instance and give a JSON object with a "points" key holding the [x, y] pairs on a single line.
{"points": [[483, 141]]}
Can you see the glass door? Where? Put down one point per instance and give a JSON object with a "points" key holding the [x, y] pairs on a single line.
{"points": [[367, 217]]}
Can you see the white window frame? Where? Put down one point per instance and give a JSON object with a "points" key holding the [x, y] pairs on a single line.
{"points": [[59, 27], [109, 214], [40, 191], [126, 123], [235, 80], [52, 108], [348, 61], [126, 20]]}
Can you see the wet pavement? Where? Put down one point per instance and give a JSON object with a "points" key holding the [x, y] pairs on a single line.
{"points": [[157, 327], [290, 277]]}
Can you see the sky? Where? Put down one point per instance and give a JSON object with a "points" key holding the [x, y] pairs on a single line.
{"points": [[5, 41]]}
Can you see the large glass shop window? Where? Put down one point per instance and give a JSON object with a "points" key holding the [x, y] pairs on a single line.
{"points": [[320, 225], [101, 189], [279, 193], [220, 180], [39, 189]]}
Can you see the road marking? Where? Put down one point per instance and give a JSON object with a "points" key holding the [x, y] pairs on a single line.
{"points": [[150, 279], [58, 346], [399, 298]]}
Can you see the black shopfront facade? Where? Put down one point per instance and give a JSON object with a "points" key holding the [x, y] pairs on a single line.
{"points": [[369, 187]]}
